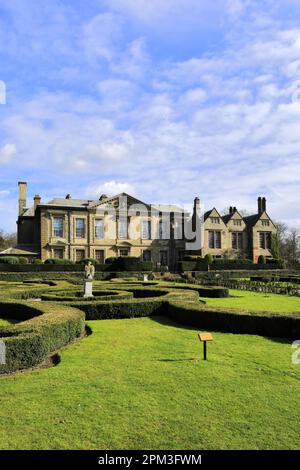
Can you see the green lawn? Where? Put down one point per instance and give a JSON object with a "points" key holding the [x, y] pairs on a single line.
{"points": [[247, 300], [140, 384], [5, 322]]}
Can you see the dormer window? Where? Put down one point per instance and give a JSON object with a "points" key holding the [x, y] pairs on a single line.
{"points": [[215, 220], [237, 222], [265, 223]]}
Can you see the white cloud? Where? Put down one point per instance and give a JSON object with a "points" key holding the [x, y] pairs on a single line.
{"points": [[109, 188], [221, 125], [7, 152], [101, 36]]}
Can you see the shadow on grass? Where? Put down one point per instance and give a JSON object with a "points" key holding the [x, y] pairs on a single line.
{"points": [[164, 320], [189, 359]]}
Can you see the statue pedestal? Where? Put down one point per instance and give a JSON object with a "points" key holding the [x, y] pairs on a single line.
{"points": [[88, 288]]}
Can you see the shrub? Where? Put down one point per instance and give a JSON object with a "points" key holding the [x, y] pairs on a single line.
{"points": [[58, 261], [23, 260], [198, 264], [9, 260], [262, 259], [222, 263], [37, 261], [111, 260], [88, 260], [209, 258], [129, 263]]}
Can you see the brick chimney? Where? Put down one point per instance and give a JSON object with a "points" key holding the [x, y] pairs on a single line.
{"points": [[22, 196], [37, 201]]}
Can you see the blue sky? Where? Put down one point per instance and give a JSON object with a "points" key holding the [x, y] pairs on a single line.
{"points": [[166, 100]]}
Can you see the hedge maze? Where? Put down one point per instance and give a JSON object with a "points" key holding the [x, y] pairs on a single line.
{"points": [[52, 314]]}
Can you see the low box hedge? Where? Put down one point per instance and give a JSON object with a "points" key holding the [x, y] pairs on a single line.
{"points": [[235, 321], [198, 264], [50, 327]]}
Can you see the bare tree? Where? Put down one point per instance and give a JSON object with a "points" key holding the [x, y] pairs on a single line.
{"points": [[7, 240]]}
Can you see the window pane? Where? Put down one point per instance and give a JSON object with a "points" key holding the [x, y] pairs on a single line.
{"points": [[211, 239], [163, 256], [58, 226], [240, 241], [122, 229], [218, 239], [80, 255], [80, 228], [262, 240], [99, 229], [58, 253], [234, 241], [99, 256], [124, 252], [147, 255], [163, 235], [146, 229]]}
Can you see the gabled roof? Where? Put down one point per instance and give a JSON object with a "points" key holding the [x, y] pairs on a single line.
{"points": [[108, 200], [226, 218], [251, 220], [208, 213], [18, 251]]}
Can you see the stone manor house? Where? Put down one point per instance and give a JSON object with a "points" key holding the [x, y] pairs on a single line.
{"points": [[76, 229]]}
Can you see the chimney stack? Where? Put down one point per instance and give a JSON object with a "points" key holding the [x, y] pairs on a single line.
{"points": [[259, 205], [22, 196], [37, 201], [196, 212], [263, 204], [230, 210]]}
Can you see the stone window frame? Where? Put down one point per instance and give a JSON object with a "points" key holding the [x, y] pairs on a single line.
{"points": [[166, 252], [104, 253], [215, 241], [62, 218], [264, 239], [215, 220], [237, 222], [149, 224], [97, 219], [79, 249], [62, 248], [239, 238], [147, 250], [85, 227]]}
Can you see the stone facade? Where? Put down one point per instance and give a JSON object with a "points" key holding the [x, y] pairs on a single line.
{"points": [[76, 229]]}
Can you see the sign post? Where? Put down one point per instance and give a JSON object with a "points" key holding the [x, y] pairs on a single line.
{"points": [[204, 337]]}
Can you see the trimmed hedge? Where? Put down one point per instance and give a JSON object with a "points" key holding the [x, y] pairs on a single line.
{"points": [[9, 260], [121, 309], [198, 264], [235, 321], [30, 342], [60, 296]]}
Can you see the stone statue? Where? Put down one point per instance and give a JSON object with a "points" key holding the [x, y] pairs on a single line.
{"points": [[89, 271], [89, 274]]}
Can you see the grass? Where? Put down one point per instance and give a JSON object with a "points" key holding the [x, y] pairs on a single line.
{"points": [[252, 301], [141, 384], [7, 322]]}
